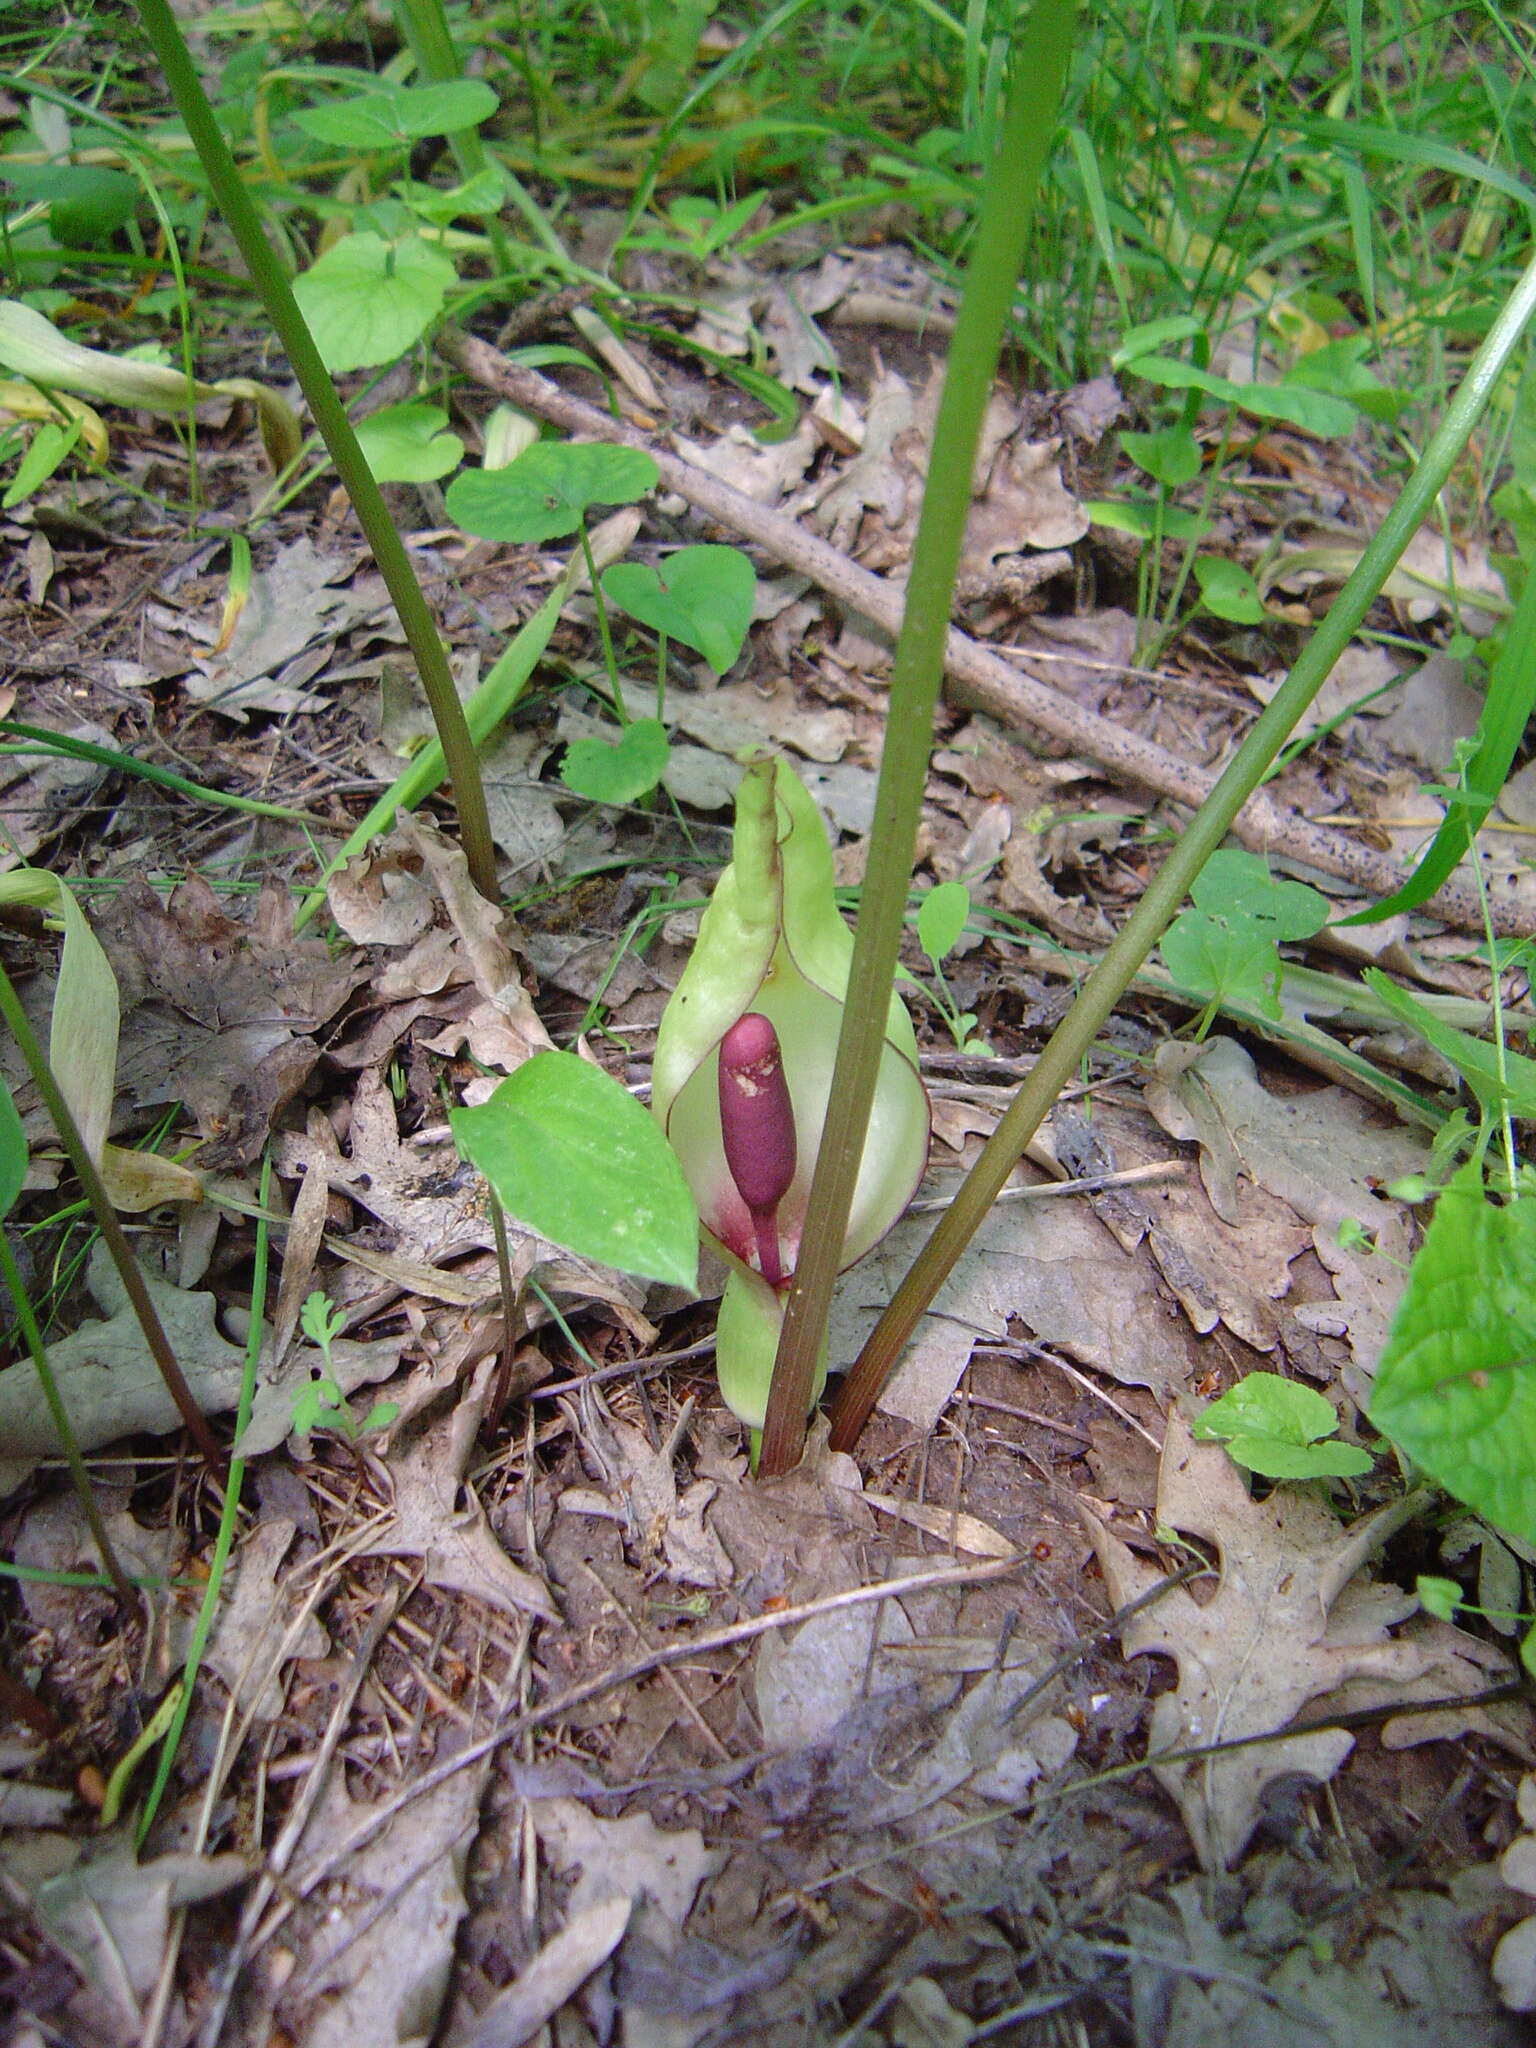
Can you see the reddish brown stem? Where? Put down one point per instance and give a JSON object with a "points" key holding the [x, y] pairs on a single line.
{"points": [[765, 1228]]}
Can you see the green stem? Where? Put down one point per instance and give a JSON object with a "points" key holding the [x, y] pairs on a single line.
{"points": [[42, 741], [389, 550], [604, 633], [491, 704], [1168, 888], [228, 1518], [128, 1270], [1007, 207], [425, 28], [68, 1441]]}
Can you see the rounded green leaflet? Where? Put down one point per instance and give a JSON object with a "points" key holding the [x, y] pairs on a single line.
{"points": [[1228, 590], [1273, 1426], [702, 596], [366, 300], [13, 1152], [409, 443], [570, 1154], [402, 113], [1171, 458], [546, 492], [618, 771], [941, 917]]}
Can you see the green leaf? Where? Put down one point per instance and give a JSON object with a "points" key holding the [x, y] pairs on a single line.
{"points": [[1229, 960], [87, 203], [1339, 367], [82, 1038], [702, 596], [1439, 1597], [366, 300], [49, 446], [477, 196], [941, 916], [1503, 1082], [1320, 413], [1274, 1426], [399, 115], [1456, 1385], [547, 491], [1151, 336], [1171, 458], [571, 1154], [618, 771], [1237, 884], [1227, 946], [13, 1152], [1510, 701], [1144, 518], [1228, 590], [409, 443]]}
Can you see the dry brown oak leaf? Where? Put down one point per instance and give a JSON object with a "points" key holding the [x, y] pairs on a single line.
{"points": [[1291, 1620]]}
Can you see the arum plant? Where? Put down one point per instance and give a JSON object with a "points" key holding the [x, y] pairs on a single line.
{"points": [[1033, 95], [743, 1076]]}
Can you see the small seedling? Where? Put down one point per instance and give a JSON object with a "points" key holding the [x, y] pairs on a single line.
{"points": [[1444, 1599], [321, 1404], [1227, 946], [543, 494], [1277, 1428], [941, 920]]}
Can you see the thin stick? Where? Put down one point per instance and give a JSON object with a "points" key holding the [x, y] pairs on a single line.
{"points": [[631, 1674], [978, 677]]}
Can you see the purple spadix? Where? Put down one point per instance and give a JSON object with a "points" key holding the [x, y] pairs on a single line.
{"points": [[757, 1126]]}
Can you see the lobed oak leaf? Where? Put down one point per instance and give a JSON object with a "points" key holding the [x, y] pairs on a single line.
{"points": [[1290, 1621]]}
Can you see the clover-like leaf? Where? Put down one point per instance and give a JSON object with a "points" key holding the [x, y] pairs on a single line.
{"points": [[548, 490], [700, 595], [366, 300], [618, 771]]}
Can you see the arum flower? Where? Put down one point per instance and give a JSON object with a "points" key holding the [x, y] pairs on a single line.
{"points": [[743, 1071]]}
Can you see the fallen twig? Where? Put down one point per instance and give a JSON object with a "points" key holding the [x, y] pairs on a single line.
{"points": [[977, 677]]}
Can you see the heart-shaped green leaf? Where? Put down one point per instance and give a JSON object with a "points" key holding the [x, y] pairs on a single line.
{"points": [[571, 1154], [701, 596], [409, 443], [400, 114], [618, 771], [547, 490], [366, 300], [1278, 1427]]}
